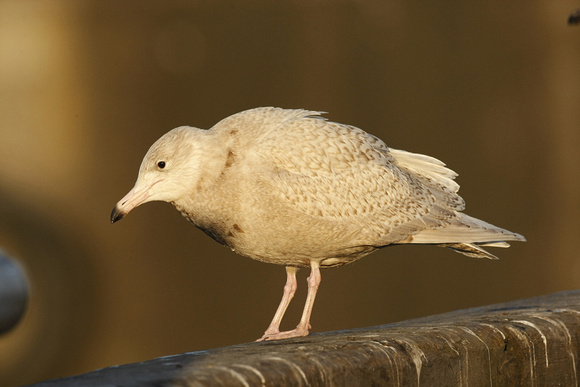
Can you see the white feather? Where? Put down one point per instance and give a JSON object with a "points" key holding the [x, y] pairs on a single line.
{"points": [[426, 166]]}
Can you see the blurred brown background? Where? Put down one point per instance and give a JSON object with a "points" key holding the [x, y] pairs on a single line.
{"points": [[490, 88]]}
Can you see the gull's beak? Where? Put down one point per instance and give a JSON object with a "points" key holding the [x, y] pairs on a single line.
{"points": [[134, 198]]}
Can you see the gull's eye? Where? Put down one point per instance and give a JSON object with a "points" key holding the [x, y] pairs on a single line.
{"points": [[161, 164]]}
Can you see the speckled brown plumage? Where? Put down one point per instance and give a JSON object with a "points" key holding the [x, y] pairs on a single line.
{"points": [[291, 188]]}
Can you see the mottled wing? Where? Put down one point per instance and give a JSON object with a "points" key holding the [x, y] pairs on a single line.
{"points": [[335, 171]]}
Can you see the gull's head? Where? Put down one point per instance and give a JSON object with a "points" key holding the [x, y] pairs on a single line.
{"points": [[169, 170]]}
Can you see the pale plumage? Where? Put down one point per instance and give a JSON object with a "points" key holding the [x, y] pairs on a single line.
{"points": [[291, 188]]}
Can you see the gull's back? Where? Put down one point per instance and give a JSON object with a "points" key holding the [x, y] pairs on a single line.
{"points": [[310, 189]]}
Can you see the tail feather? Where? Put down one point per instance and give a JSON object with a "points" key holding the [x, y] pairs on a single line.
{"points": [[445, 225], [467, 235], [466, 229], [502, 244], [471, 250]]}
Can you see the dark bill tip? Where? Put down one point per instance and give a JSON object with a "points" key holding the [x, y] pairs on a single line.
{"points": [[116, 215]]}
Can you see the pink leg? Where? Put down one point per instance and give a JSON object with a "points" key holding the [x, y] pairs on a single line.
{"points": [[304, 325], [289, 290]]}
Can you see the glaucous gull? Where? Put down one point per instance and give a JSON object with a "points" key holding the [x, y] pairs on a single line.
{"points": [[289, 187]]}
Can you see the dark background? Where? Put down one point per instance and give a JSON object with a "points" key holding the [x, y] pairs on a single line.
{"points": [[491, 88]]}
